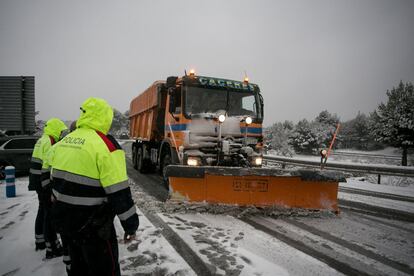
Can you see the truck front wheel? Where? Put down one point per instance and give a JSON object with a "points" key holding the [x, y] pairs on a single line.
{"points": [[165, 162]]}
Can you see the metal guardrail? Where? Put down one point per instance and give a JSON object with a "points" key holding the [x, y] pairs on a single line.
{"points": [[344, 153], [347, 167]]}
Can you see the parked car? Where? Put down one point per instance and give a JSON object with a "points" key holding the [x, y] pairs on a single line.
{"points": [[124, 136], [16, 151]]}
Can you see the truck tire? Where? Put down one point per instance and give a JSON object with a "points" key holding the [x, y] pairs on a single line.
{"points": [[140, 161], [166, 160], [134, 157]]}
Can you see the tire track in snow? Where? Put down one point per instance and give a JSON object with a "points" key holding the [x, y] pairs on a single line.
{"points": [[376, 194], [179, 245], [375, 220], [356, 248], [321, 251], [182, 248], [377, 211]]}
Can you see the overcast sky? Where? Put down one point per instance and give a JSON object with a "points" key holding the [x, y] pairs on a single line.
{"points": [[306, 56]]}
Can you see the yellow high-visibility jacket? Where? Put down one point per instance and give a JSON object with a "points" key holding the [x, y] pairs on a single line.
{"points": [[39, 177], [89, 171]]}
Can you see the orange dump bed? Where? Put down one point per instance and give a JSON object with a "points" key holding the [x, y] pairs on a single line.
{"points": [[143, 113]]}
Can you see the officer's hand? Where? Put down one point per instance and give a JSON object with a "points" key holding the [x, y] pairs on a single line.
{"points": [[128, 238]]}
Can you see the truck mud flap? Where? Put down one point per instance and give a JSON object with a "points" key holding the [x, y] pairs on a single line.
{"points": [[309, 189]]}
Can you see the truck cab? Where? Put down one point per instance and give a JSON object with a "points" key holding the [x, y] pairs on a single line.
{"points": [[214, 122]]}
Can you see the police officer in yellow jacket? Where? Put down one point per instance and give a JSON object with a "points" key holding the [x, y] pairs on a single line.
{"points": [[45, 234], [90, 186]]}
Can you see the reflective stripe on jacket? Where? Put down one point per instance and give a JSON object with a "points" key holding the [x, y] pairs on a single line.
{"points": [[88, 169], [40, 175], [37, 175]]}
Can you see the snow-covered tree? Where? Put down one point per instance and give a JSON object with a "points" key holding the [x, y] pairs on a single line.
{"points": [[393, 122], [309, 137], [40, 124], [327, 118], [304, 139], [355, 133], [119, 123], [278, 137]]}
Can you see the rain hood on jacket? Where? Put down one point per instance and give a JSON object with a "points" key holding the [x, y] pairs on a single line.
{"points": [[54, 127], [96, 114]]}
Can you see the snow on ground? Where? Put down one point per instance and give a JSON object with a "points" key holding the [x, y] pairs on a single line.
{"points": [[380, 202], [394, 240], [366, 160], [363, 185], [149, 253], [375, 201], [233, 247], [17, 247], [227, 243], [337, 248], [224, 241]]}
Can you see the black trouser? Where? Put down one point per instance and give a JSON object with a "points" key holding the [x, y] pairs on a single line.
{"points": [[66, 258], [43, 222], [93, 256], [39, 222]]}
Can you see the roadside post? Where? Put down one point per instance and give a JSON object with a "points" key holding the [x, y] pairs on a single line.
{"points": [[330, 147], [10, 186]]}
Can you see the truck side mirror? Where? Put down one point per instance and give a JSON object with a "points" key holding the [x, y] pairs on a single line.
{"points": [[171, 81], [171, 104], [261, 103]]}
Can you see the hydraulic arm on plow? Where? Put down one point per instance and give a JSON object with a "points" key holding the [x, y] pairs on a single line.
{"points": [[205, 136]]}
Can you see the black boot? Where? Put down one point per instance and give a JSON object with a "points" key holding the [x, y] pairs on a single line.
{"points": [[54, 252], [50, 254], [40, 246]]}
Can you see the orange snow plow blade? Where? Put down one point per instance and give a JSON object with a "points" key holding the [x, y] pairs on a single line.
{"points": [[308, 189]]}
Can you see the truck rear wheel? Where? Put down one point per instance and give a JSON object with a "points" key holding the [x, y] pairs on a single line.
{"points": [[140, 160], [134, 157]]}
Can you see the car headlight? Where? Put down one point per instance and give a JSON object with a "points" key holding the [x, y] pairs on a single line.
{"points": [[193, 161], [258, 161]]}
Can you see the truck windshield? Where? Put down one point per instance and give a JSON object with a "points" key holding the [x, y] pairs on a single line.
{"points": [[205, 101]]}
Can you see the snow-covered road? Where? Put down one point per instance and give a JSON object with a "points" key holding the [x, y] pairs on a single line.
{"points": [[148, 254], [226, 244]]}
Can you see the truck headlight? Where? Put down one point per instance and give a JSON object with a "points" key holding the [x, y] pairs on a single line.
{"points": [[222, 118], [258, 161], [193, 161]]}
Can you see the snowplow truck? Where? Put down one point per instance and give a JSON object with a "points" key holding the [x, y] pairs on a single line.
{"points": [[204, 135]]}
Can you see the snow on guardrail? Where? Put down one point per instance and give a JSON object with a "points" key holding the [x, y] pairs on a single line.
{"points": [[348, 167]]}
